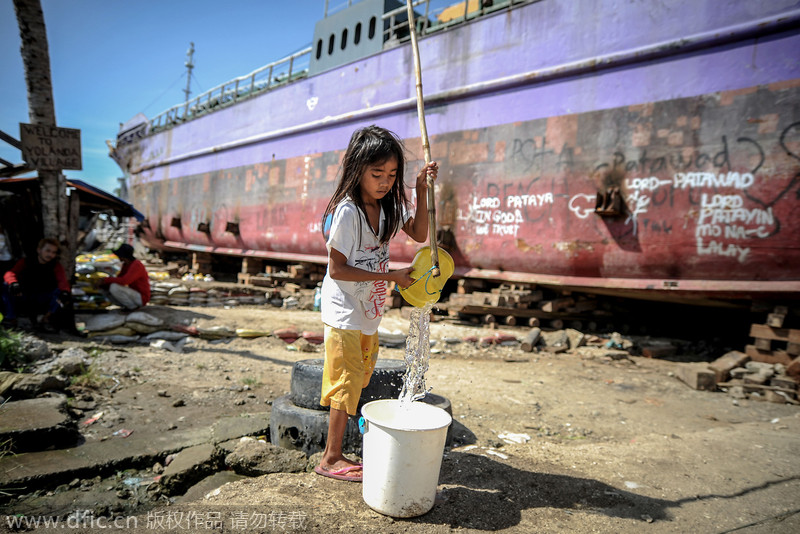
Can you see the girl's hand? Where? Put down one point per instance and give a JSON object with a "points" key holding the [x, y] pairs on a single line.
{"points": [[432, 170], [402, 277]]}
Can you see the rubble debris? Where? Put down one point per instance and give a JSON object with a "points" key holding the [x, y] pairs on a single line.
{"points": [[741, 377], [657, 348], [556, 341], [576, 338]]}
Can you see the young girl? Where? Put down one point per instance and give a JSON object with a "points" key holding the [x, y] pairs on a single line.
{"points": [[366, 211]]}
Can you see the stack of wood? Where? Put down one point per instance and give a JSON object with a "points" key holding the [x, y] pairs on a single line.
{"points": [[513, 304], [773, 342], [769, 369], [302, 274]]}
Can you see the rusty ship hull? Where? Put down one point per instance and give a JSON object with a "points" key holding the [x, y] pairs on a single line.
{"points": [[647, 152]]}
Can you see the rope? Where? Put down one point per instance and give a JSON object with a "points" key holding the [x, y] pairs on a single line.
{"points": [[427, 277]]}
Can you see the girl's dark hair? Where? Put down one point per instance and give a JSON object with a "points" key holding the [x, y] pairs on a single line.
{"points": [[370, 146]]}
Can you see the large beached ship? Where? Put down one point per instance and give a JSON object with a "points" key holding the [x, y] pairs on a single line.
{"points": [[647, 149]]}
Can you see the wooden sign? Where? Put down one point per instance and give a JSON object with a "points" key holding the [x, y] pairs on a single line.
{"points": [[50, 147]]}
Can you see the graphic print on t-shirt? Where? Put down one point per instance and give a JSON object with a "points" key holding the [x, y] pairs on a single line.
{"points": [[372, 294]]}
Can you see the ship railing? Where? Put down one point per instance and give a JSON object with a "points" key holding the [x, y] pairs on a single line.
{"points": [[268, 77], [437, 15], [432, 16]]}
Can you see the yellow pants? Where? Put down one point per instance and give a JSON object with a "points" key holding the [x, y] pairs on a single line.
{"points": [[350, 358]]}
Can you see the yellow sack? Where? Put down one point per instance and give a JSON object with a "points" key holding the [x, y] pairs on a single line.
{"points": [[247, 333]]}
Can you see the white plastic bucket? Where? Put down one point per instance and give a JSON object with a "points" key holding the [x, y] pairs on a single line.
{"points": [[402, 455]]}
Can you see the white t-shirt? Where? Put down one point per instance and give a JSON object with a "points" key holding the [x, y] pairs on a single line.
{"points": [[356, 305]]}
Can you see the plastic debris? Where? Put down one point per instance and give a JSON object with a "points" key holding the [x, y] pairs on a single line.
{"points": [[510, 437], [498, 454], [387, 338], [123, 433], [93, 418]]}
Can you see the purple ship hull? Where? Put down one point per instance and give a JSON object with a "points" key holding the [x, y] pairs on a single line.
{"points": [[647, 151]]}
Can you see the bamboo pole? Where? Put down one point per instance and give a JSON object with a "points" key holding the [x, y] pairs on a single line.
{"points": [[426, 147]]}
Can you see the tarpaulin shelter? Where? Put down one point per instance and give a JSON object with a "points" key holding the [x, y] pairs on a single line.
{"points": [[20, 208]]}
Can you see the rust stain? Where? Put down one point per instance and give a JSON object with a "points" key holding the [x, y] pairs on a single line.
{"points": [[780, 86], [471, 247], [768, 123], [561, 131], [572, 248], [275, 175], [525, 247], [500, 151], [465, 153]]}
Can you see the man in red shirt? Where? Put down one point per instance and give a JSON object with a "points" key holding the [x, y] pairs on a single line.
{"points": [[131, 287], [37, 287]]}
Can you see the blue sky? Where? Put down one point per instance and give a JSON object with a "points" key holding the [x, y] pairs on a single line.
{"points": [[112, 59]]}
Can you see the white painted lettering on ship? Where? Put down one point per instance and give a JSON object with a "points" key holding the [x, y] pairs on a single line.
{"points": [[582, 205], [683, 180], [519, 201], [726, 217], [721, 218], [490, 218], [720, 249], [646, 184]]}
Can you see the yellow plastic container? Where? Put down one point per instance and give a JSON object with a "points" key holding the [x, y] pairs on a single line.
{"points": [[427, 288]]}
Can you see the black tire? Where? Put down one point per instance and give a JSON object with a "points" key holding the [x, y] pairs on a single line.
{"points": [[441, 402], [306, 430], [385, 383]]}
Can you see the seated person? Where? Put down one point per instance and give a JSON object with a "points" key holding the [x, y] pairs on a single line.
{"points": [[131, 287], [6, 258], [37, 287]]}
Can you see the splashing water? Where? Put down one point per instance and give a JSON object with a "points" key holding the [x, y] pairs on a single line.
{"points": [[418, 354]]}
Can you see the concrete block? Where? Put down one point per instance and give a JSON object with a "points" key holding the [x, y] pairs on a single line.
{"points": [[697, 376], [188, 467], [723, 365]]}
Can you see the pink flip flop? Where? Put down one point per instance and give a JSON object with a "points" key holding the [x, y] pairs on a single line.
{"points": [[339, 474]]}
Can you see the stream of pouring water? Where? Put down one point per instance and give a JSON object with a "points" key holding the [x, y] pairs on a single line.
{"points": [[418, 354]]}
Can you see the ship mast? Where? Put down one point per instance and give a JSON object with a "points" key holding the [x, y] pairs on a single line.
{"points": [[189, 66]]}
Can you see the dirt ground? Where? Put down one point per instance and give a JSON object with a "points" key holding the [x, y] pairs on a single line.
{"points": [[604, 445]]}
